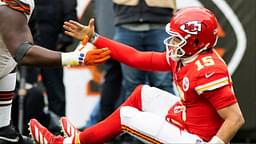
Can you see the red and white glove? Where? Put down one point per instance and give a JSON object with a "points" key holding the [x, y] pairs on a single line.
{"points": [[85, 55]]}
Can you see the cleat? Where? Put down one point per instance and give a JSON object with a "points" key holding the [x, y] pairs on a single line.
{"points": [[41, 135], [68, 128], [9, 135]]}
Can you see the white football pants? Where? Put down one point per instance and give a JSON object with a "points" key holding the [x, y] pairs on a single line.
{"points": [[149, 125]]}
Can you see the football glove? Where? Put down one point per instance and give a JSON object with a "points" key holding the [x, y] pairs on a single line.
{"points": [[85, 55]]}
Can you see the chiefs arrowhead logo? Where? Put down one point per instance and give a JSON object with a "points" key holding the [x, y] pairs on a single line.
{"points": [[191, 27]]}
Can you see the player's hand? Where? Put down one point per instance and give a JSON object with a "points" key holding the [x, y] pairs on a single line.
{"points": [[97, 56], [93, 55], [79, 31], [85, 55]]}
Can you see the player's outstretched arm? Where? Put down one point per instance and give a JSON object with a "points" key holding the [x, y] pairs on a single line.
{"points": [[18, 40], [120, 52]]}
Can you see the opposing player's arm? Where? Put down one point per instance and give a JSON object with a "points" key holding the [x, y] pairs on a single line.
{"points": [[15, 32], [18, 39]]}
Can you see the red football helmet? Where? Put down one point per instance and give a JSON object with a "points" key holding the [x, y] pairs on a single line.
{"points": [[191, 31]]}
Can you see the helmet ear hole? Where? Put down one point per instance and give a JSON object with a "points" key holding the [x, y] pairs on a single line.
{"points": [[196, 42]]}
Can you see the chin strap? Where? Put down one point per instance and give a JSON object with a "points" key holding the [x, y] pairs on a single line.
{"points": [[194, 56]]}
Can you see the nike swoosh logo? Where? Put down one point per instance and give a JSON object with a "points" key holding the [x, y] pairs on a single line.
{"points": [[10, 139], [209, 74]]}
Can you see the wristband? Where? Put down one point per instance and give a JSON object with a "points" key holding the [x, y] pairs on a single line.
{"points": [[216, 140], [76, 57], [94, 38], [70, 58]]}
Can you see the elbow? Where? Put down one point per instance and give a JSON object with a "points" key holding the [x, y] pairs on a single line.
{"points": [[236, 120], [239, 121]]}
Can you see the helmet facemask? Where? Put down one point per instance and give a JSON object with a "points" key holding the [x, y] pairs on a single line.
{"points": [[174, 44]]}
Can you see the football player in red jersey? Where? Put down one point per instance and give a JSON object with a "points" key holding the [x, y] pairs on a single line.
{"points": [[16, 46], [206, 109]]}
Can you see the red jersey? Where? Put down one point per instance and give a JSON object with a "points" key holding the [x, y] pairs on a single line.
{"points": [[204, 85]]}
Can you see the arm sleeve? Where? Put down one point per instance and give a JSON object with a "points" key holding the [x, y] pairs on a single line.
{"points": [[148, 61]]}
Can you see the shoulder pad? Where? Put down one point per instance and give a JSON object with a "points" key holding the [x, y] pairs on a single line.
{"points": [[212, 78], [24, 6]]}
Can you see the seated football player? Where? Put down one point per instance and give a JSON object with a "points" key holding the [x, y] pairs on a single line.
{"points": [[206, 110]]}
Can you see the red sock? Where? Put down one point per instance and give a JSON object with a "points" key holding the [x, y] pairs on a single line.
{"points": [[111, 126]]}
